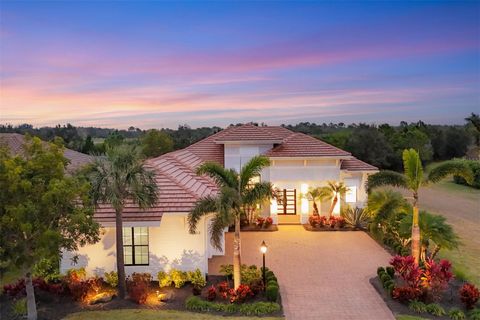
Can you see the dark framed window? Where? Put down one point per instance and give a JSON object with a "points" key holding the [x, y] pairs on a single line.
{"points": [[135, 246]]}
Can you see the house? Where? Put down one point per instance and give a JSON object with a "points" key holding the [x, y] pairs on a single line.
{"points": [[158, 238]]}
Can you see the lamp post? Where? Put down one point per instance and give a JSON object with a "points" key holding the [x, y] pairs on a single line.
{"points": [[263, 249]]}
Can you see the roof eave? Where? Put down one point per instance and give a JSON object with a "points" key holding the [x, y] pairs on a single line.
{"points": [[346, 157], [267, 141]]}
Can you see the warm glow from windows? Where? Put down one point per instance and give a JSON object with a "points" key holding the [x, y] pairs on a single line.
{"points": [[351, 194]]}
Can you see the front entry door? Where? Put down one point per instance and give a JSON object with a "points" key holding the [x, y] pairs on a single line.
{"points": [[289, 202]]}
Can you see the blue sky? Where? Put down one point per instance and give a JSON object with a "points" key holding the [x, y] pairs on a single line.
{"points": [[161, 64]]}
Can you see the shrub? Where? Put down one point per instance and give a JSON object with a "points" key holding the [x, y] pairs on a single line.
{"points": [[48, 269], [137, 287], [390, 288], [314, 221], [178, 277], [14, 289], [388, 283], [417, 306], [260, 221], [226, 270], [436, 277], [340, 222], [256, 286], [356, 217], [268, 222], [272, 283], [475, 166], [164, 279], [474, 314], [269, 275], [211, 293], [469, 295], [271, 293], [80, 289], [250, 274], [406, 294], [76, 274], [407, 269], [390, 271], [456, 314], [385, 277], [240, 295], [19, 307], [380, 270], [223, 288], [248, 309], [197, 278], [111, 278], [436, 309]]}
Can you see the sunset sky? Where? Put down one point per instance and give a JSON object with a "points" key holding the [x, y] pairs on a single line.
{"points": [[161, 64]]}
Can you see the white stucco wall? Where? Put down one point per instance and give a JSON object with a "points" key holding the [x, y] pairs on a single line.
{"points": [[170, 246], [236, 155]]}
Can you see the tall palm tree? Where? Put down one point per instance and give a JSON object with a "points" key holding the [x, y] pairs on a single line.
{"points": [[331, 192], [235, 193], [412, 179], [117, 178], [434, 229], [314, 195]]}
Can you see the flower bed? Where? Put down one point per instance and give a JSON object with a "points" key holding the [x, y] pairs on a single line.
{"points": [[250, 298], [428, 290], [261, 224], [322, 223]]}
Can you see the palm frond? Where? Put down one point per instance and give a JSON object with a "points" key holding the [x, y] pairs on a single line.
{"points": [[252, 168], [385, 205], [412, 166], [202, 207], [451, 168], [386, 178], [222, 176], [261, 191], [215, 230]]}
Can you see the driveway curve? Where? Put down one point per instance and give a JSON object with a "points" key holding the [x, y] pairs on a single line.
{"points": [[322, 275]]}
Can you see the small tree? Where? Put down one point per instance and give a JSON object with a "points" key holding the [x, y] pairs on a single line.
{"points": [[155, 143], [314, 195], [236, 192], [331, 192], [116, 178], [43, 211]]}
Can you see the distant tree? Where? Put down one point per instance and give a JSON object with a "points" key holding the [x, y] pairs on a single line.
{"points": [[155, 143], [88, 145], [114, 139], [339, 139], [456, 144], [412, 137], [118, 177], [369, 144], [474, 122], [42, 210]]}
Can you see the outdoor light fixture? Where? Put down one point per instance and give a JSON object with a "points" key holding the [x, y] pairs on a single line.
{"points": [[263, 250]]}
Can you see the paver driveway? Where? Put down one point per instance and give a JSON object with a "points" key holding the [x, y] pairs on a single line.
{"points": [[322, 275]]}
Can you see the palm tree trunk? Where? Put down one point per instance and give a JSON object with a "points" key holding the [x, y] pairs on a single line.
{"points": [[31, 305], [315, 209], [120, 258], [332, 206], [434, 252], [237, 264], [415, 230]]}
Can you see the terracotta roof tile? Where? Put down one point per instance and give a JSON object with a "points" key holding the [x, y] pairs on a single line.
{"points": [[357, 165], [302, 145], [248, 132]]}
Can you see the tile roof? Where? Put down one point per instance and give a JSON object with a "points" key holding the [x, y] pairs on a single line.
{"points": [[357, 165], [248, 132], [302, 145], [15, 142]]}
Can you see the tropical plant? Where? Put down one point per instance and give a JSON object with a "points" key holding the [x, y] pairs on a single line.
{"points": [[469, 295], [314, 195], [43, 210], [331, 192], [356, 217], [236, 192], [117, 179], [412, 179], [456, 314], [434, 229]]}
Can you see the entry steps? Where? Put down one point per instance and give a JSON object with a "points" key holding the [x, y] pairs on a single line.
{"points": [[288, 219]]}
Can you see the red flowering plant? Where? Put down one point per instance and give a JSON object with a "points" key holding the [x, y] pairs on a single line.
{"points": [[268, 222], [436, 276], [211, 293], [317, 221], [340, 222], [408, 270], [240, 295], [222, 289], [469, 295], [332, 221], [260, 221]]}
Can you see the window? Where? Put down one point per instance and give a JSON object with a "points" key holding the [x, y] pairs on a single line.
{"points": [[135, 246]]}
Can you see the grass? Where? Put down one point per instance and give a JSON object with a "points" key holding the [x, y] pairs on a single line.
{"points": [[135, 314], [407, 317]]}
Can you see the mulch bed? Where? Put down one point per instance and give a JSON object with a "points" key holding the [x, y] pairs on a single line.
{"points": [[55, 307], [252, 227], [308, 227], [449, 300]]}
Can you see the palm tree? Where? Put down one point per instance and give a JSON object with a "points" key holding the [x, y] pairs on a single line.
{"points": [[314, 195], [331, 193], [235, 193], [117, 178], [434, 229], [412, 179]]}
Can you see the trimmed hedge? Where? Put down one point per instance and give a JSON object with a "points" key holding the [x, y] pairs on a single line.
{"points": [[194, 303]]}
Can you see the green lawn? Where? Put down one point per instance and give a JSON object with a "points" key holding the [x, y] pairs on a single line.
{"points": [[135, 314], [407, 317]]}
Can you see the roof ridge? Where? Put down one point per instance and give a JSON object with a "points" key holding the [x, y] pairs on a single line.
{"points": [[330, 145]]}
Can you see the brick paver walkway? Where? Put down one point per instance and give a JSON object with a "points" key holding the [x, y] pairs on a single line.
{"points": [[322, 275]]}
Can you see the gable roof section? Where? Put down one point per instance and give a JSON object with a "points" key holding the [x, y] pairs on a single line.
{"points": [[15, 142], [357, 165], [302, 145], [248, 132]]}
